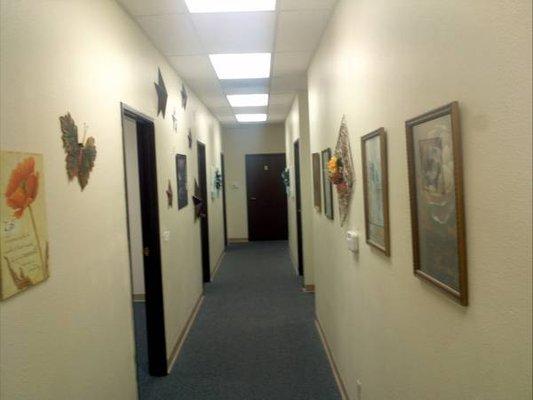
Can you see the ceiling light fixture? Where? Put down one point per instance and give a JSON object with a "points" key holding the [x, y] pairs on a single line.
{"points": [[251, 117], [248, 100], [216, 6], [241, 66]]}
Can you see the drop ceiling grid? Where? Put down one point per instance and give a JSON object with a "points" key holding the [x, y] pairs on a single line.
{"points": [[291, 34]]}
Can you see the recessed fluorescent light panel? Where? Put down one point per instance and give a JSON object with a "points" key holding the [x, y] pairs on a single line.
{"points": [[217, 6], [251, 117], [248, 100], [241, 66]]}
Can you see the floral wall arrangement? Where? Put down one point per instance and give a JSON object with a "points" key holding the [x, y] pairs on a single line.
{"points": [[341, 171]]}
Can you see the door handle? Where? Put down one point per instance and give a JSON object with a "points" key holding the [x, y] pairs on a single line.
{"points": [[146, 251], [253, 198]]}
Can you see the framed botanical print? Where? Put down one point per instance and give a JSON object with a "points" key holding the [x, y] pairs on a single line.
{"points": [[375, 187], [328, 187], [317, 193], [181, 174], [437, 208]]}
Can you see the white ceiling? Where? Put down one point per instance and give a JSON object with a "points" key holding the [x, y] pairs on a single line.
{"points": [[291, 34]]}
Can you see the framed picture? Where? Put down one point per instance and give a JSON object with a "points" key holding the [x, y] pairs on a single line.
{"points": [[375, 187], [181, 173], [317, 193], [24, 233], [328, 187], [437, 208]]}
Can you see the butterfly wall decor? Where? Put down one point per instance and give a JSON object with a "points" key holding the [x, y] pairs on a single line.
{"points": [[80, 155], [184, 96]]}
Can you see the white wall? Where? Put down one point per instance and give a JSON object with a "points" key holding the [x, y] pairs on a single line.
{"points": [[134, 206], [297, 128], [72, 336], [382, 62], [237, 142]]}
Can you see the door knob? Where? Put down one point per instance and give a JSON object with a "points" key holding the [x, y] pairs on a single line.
{"points": [[253, 198], [146, 251]]}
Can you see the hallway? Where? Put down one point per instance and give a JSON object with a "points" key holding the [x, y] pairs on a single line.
{"points": [[254, 336]]}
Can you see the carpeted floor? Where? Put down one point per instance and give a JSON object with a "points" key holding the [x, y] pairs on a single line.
{"points": [[254, 337]]}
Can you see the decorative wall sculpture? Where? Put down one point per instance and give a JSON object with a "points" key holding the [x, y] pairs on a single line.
{"points": [[170, 195], [328, 188], [198, 202], [189, 138], [23, 234], [375, 185], [286, 179], [437, 209], [317, 194], [162, 94], [342, 172], [80, 156], [174, 121], [184, 96], [181, 173]]}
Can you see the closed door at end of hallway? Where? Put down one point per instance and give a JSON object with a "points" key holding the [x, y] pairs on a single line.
{"points": [[267, 202]]}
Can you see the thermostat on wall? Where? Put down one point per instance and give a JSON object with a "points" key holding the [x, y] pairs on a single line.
{"points": [[352, 241]]}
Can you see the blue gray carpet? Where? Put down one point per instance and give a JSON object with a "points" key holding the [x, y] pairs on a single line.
{"points": [[253, 339]]}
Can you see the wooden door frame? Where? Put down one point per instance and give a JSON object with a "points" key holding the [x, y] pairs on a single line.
{"points": [[298, 205], [224, 212], [153, 278], [206, 256]]}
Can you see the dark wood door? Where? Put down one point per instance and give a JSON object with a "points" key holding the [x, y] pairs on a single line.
{"points": [[267, 200], [204, 225], [297, 188], [223, 168], [153, 279]]}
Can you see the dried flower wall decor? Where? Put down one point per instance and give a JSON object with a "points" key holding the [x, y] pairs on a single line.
{"points": [[341, 171]]}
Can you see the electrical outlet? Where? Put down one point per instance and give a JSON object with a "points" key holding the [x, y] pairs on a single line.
{"points": [[359, 389]]}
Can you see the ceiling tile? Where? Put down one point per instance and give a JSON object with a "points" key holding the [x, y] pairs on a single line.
{"points": [[300, 31], [154, 7], [284, 99], [279, 108], [245, 86], [174, 35], [205, 87], [214, 101], [291, 63], [250, 110], [277, 117], [306, 4], [251, 32], [193, 67], [288, 83]]}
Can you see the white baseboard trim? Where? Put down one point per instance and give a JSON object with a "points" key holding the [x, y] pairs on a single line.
{"points": [[138, 298], [338, 379], [237, 240], [219, 263], [183, 335]]}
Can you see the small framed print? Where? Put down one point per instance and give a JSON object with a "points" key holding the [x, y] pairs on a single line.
{"points": [[434, 156], [375, 187], [328, 187], [181, 174], [317, 192]]}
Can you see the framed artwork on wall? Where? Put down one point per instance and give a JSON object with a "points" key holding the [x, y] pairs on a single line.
{"points": [[375, 188], [24, 233], [181, 173], [434, 154], [317, 193], [328, 187]]}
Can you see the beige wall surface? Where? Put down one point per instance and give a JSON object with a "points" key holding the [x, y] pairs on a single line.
{"points": [[237, 142], [72, 336], [382, 62], [297, 128]]}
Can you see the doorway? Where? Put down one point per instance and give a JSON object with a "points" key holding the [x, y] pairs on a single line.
{"points": [[204, 220], [267, 201], [223, 171], [143, 240], [298, 191]]}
